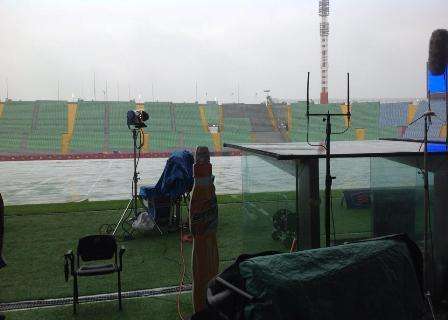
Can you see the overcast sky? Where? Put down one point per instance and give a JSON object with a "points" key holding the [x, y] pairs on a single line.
{"points": [[167, 46]]}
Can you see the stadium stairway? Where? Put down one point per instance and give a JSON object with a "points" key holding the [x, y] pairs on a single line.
{"points": [[271, 116], [267, 137], [203, 117], [66, 139], [210, 116], [412, 109]]}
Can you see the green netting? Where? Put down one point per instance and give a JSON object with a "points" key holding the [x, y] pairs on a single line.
{"points": [[235, 137], [121, 141], [88, 134], [101, 126], [159, 116], [15, 124], [236, 130], [212, 113], [17, 116], [388, 132], [364, 115], [11, 142], [117, 116], [317, 127], [237, 125], [192, 140], [188, 118], [50, 124], [163, 141], [120, 137]]}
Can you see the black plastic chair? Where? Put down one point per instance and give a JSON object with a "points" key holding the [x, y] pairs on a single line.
{"points": [[94, 248]]}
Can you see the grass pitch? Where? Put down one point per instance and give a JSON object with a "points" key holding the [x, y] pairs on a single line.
{"points": [[37, 236]]}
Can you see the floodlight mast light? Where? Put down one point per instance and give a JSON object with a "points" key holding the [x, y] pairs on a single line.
{"points": [[324, 12]]}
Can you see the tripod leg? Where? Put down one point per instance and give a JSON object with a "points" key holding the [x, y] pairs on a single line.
{"points": [[122, 217], [157, 227]]}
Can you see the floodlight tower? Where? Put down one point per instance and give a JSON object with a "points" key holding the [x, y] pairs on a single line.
{"points": [[324, 12]]}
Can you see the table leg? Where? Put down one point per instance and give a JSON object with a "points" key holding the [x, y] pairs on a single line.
{"points": [[307, 204], [440, 231]]}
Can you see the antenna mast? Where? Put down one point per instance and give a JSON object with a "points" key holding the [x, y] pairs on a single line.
{"points": [[324, 12]]}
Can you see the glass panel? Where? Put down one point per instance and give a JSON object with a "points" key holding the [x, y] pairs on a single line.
{"points": [[351, 206], [397, 191], [268, 204]]}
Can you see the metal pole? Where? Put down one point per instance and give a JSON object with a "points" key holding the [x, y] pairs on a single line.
{"points": [[297, 205], [94, 87], [238, 92], [328, 181], [426, 202], [446, 106], [135, 179], [196, 92], [152, 90]]}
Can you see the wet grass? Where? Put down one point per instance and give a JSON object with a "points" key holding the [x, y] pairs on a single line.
{"points": [[37, 236], [157, 308]]}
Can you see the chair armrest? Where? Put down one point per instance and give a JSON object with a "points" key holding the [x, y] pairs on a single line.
{"points": [[120, 257], [69, 265]]}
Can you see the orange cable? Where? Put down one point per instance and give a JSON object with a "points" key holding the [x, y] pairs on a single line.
{"points": [[182, 273]]}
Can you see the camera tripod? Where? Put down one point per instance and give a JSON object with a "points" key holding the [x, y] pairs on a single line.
{"points": [[131, 212]]}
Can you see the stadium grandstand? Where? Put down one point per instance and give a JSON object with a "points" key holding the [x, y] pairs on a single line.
{"points": [[86, 128]]}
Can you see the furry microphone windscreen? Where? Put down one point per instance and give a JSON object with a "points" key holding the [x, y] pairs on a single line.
{"points": [[438, 51]]}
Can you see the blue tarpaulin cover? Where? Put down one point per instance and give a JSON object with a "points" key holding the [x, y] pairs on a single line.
{"points": [[176, 179]]}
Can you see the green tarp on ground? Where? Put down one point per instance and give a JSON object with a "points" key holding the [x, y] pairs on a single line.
{"points": [[365, 280]]}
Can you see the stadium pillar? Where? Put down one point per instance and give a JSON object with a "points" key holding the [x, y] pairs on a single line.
{"points": [[443, 132], [411, 113], [360, 133], [344, 110], [221, 118], [289, 122], [307, 204], [146, 142], [253, 137], [324, 97], [203, 118], [271, 116], [216, 137]]}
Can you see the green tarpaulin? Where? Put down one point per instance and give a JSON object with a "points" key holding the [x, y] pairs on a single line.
{"points": [[365, 280]]}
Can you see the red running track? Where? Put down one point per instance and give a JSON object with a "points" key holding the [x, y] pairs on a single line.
{"points": [[84, 156]]}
